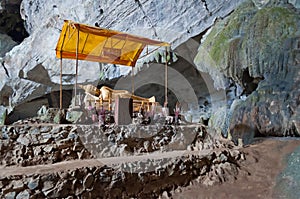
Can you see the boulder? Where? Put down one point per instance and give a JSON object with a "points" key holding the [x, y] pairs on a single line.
{"points": [[6, 44], [88, 181], [23, 195]]}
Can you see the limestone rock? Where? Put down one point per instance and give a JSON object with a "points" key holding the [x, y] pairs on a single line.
{"points": [[6, 44], [23, 195], [25, 63], [88, 181], [33, 184], [269, 77], [10, 195], [3, 115], [23, 140], [48, 185]]}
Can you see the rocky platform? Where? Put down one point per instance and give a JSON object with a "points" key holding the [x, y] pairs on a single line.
{"points": [[150, 170]]}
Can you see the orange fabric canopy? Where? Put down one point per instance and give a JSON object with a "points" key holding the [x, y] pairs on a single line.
{"points": [[83, 42]]}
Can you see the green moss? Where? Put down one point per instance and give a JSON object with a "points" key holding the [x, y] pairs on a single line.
{"points": [[273, 24], [254, 98], [217, 42], [261, 34]]}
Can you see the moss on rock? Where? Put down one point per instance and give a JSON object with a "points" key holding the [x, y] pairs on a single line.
{"points": [[263, 45], [251, 38]]}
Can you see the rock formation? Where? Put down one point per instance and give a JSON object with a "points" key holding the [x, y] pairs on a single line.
{"points": [[35, 147], [257, 48], [174, 22], [32, 145], [250, 49], [253, 53]]}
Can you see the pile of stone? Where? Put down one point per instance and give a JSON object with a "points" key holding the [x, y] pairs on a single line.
{"points": [[148, 144], [118, 182], [208, 139], [26, 145], [112, 141]]}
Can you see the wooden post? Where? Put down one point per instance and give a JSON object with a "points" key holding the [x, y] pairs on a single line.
{"points": [[132, 81], [60, 86], [166, 79], [76, 72]]}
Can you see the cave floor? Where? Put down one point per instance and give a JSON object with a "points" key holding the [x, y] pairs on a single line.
{"points": [[265, 160]]}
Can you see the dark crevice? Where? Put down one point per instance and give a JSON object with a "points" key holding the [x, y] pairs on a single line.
{"points": [[206, 7], [249, 83], [146, 16], [6, 71], [5, 95], [29, 109], [11, 22]]}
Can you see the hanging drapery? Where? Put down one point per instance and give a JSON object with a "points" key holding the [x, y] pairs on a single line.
{"points": [[101, 45], [83, 42]]}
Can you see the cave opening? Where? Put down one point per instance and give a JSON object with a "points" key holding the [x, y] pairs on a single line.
{"points": [[30, 108], [11, 22], [250, 83]]}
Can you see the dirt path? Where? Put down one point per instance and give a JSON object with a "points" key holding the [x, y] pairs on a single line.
{"points": [[264, 160], [73, 164]]}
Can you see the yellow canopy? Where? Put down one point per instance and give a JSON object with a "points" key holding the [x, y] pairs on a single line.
{"points": [[83, 42]]}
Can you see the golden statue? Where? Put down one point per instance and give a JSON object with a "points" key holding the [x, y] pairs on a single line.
{"points": [[105, 97]]}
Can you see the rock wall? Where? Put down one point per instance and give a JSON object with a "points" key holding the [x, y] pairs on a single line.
{"points": [[172, 21], [11, 23], [133, 139], [257, 48], [25, 145], [108, 182]]}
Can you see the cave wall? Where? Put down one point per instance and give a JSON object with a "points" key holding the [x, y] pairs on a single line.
{"points": [[257, 48], [11, 23], [172, 21], [252, 55]]}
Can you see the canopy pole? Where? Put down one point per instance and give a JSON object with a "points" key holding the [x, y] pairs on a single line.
{"points": [[60, 86], [166, 80], [132, 81], [76, 73]]}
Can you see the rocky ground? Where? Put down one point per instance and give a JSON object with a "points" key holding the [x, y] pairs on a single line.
{"points": [[50, 161], [44, 160], [266, 162]]}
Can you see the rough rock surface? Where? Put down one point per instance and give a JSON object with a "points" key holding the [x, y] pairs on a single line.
{"points": [[257, 48], [11, 23], [6, 44], [118, 182], [25, 145], [289, 179], [173, 21], [33, 145], [131, 140]]}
